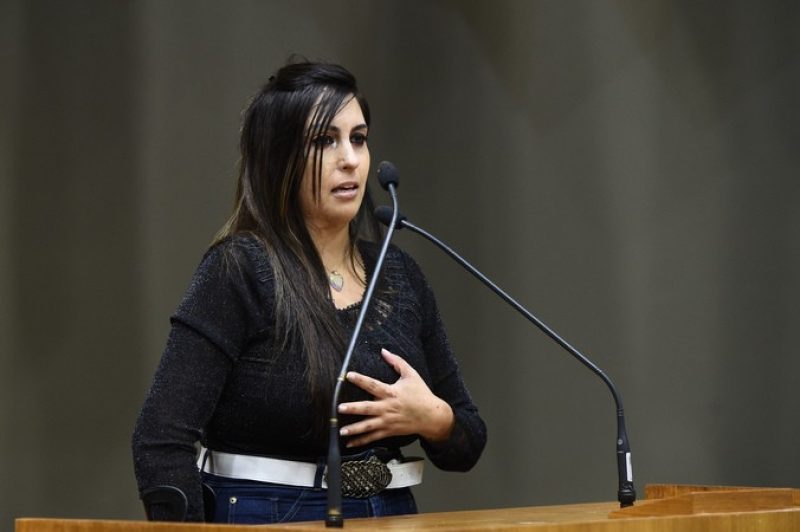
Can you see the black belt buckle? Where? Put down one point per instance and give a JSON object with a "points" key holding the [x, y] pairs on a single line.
{"points": [[364, 478]]}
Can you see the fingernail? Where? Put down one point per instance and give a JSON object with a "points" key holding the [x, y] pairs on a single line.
{"points": [[342, 408], [343, 432]]}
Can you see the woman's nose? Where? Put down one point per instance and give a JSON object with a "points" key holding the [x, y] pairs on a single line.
{"points": [[348, 156]]}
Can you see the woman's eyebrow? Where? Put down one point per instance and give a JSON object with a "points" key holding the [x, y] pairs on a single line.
{"points": [[335, 129]]}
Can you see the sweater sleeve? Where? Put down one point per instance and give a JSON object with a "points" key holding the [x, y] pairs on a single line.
{"points": [[208, 331], [460, 452]]}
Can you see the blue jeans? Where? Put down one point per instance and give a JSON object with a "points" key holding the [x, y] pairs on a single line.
{"points": [[250, 502]]}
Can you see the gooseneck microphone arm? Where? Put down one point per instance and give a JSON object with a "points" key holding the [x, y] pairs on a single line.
{"points": [[626, 493], [388, 177]]}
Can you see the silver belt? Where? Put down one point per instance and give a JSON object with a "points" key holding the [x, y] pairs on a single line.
{"points": [[360, 478]]}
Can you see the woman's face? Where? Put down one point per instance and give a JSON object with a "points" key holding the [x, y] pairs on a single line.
{"points": [[345, 166]]}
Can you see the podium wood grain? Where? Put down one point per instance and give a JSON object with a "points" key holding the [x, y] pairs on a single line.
{"points": [[589, 517]]}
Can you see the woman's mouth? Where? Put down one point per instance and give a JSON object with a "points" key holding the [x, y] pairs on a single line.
{"points": [[346, 191]]}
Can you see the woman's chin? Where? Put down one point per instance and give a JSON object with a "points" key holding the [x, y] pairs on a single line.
{"points": [[334, 218]]}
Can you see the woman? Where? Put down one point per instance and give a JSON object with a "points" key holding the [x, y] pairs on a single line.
{"points": [[257, 342]]}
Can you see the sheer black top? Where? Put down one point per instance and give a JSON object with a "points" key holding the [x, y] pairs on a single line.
{"points": [[222, 382]]}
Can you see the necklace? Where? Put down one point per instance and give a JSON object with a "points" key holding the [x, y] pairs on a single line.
{"points": [[336, 280]]}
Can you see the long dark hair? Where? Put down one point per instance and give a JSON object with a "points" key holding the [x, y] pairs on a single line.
{"points": [[275, 147]]}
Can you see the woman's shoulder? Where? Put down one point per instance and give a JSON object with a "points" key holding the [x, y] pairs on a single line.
{"points": [[235, 245], [395, 255], [399, 266], [241, 254], [225, 300], [374, 248]]}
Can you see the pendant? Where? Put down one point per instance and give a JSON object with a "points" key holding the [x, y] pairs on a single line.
{"points": [[336, 280]]}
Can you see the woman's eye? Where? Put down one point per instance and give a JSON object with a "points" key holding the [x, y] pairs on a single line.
{"points": [[358, 139], [324, 140]]}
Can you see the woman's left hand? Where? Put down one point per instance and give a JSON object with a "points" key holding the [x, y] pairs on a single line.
{"points": [[406, 407]]}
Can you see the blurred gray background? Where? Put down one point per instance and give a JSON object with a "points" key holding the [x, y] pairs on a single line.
{"points": [[627, 169]]}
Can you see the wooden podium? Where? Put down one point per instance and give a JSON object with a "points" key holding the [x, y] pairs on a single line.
{"points": [[666, 508]]}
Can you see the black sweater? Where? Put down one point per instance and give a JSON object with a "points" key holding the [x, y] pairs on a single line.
{"points": [[220, 380]]}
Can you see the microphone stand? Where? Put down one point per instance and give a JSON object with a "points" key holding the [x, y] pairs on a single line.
{"points": [[626, 493], [334, 518]]}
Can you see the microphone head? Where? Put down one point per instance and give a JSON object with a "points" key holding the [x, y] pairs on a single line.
{"points": [[384, 215], [387, 173]]}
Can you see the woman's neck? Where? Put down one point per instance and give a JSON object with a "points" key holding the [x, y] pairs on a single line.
{"points": [[333, 246], [346, 274]]}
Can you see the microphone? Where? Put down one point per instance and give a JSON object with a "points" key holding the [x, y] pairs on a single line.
{"points": [[626, 494], [389, 180], [387, 176]]}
